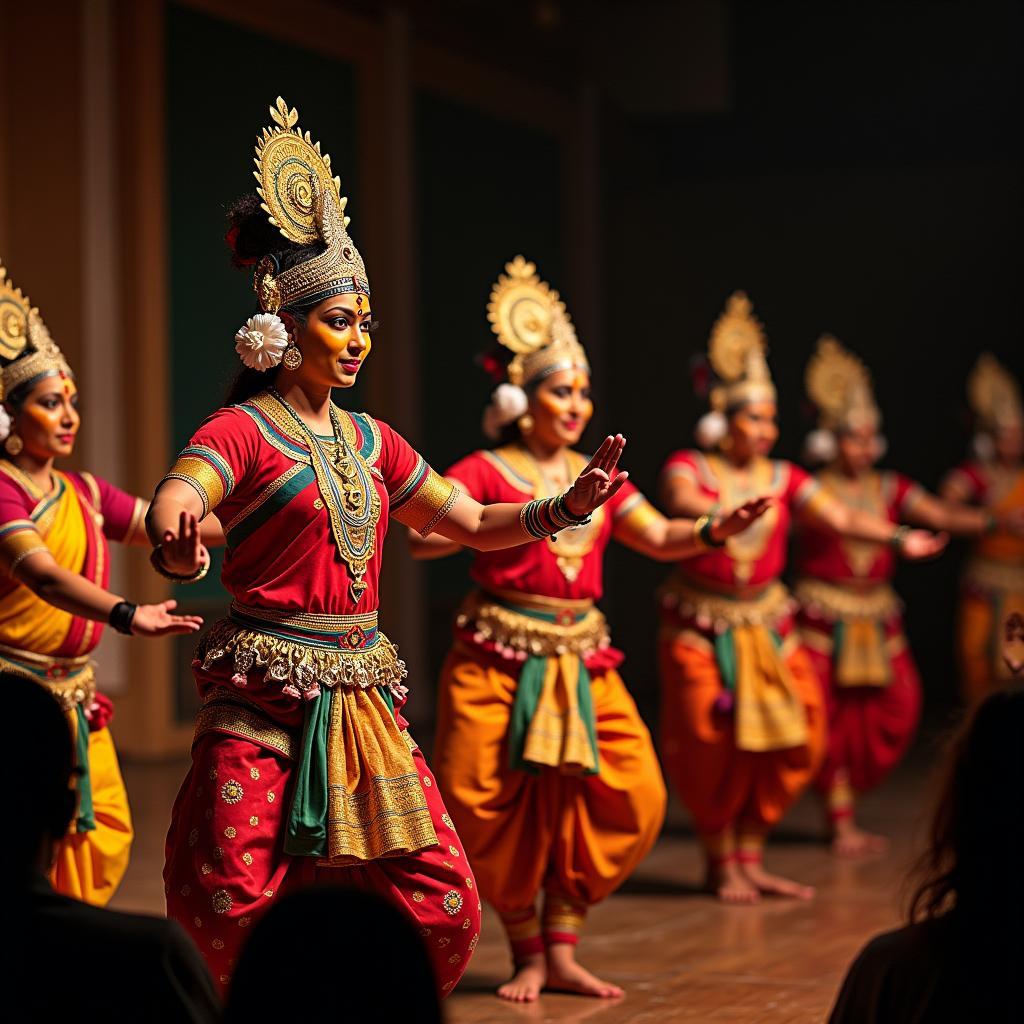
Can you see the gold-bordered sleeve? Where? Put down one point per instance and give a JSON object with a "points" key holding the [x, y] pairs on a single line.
{"points": [[207, 472], [634, 517], [424, 499], [18, 539]]}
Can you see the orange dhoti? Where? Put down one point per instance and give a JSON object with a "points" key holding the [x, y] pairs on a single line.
{"points": [[991, 592], [575, 833], [739, 755]]}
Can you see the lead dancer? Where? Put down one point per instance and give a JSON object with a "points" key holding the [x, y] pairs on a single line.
{"points": [[302, 767]]}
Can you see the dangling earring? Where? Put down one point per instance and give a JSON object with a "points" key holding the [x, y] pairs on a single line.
{"points": [[525, 424], [292, 358], [14, 444]]}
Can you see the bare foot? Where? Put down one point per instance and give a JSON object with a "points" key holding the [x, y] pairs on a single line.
{"points": [[566, 975], [730, 884], [776, 885], [524, 986], [850, 841]]}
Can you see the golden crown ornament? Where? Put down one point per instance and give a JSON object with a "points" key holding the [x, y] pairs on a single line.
{"points": [[27, 352], [303, 200]]}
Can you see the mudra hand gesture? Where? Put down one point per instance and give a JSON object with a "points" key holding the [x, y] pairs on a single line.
{"points": [[182, 553], [917, 544], [728, 524], [600, 479], [156, 620]]}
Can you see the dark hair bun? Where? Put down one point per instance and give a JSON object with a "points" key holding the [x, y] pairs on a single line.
{"points": [[251, 236]]}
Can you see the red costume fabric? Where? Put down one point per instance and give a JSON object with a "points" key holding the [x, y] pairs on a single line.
{"points": [[852, 625], [303, 766]]}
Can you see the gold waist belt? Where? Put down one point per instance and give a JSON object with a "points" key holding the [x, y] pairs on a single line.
{"points": [[718, 612], [521, 625], [989, 575], [836, 603], [305, 652], [70, 680]]}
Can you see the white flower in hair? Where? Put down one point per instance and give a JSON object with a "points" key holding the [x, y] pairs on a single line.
{"points": [[507, 404], [260, 344], [5, 424], [820, 446], [710, 429]]}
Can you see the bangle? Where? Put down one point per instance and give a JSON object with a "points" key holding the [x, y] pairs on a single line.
{"points": [[705, 533], [562, 510], [544, 517], [121, 616], [156, 560], [899, 536], [698, 531]]}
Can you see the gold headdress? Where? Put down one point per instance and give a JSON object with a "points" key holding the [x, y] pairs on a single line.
{"points": [[994, 395], [27, 351], [303, 200], [531, 321], [736, 350], [839, 384]]}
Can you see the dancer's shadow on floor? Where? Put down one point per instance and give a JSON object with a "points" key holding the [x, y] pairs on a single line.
{"points": [[781, 835]]}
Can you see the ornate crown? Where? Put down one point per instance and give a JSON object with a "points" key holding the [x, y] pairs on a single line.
{"points": [[839, 384], [736, 350], [26, 349], [994, 394], [531, 321], [304, 202]]}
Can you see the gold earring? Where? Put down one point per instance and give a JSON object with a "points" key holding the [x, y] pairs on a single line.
{"points": [[14, 444], [292, 358], [525, 424]]}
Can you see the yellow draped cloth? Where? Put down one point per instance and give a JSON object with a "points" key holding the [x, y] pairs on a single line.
{"points": [[769, 712], [90, 864]]}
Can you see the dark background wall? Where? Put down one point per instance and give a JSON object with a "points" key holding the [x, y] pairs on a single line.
{"points": [[865, 180]]}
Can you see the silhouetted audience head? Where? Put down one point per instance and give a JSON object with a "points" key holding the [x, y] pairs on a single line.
{"points": [[337, 948], [977, 829], [39, 749], [960, 957]]}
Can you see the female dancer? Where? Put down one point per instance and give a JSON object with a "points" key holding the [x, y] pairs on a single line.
{"points": [[850, 619], [541, 754], [54, 530], [993, 582], [302, 767], [742, 714]]}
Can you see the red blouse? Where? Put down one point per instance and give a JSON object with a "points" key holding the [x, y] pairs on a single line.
{"points": [[572, 565], [252, 463], [824, 555], [757, 556]]}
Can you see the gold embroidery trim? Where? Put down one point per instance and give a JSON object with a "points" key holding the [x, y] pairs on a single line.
{"points": [[429, 505], [202, 476], [715, 611], [635, 516], [835, 603], [136, 521], [321, 622], [300, 664], [71, 680], [509, 630], [20, 543], [268, 492], [222, 714]]}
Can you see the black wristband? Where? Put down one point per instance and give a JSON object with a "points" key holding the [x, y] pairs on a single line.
{"points": [[121, 616]]}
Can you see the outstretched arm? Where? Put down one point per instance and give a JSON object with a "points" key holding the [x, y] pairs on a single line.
{"points": [[210, 531], [672, 540], [72, 593], [681, 496], [961, 520], [861, 525], [490, 527]]}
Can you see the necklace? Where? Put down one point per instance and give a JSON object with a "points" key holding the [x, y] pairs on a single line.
{"points": [[569, 546], [348, 492]]}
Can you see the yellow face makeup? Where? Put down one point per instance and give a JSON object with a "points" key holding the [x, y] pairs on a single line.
{"points": [[48, 421], [561, 406], [335, 340]]}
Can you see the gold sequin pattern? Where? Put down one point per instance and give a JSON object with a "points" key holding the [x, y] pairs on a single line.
{"points": [[228, 715]]}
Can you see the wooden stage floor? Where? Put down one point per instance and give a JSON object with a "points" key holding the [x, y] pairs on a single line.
{"points": [[679, 954]]}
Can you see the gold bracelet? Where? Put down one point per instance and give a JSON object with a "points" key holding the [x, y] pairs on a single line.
{"points": [[698, 527], [156, 561]]}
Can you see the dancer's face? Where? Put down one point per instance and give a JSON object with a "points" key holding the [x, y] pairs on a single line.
{"points": [[47, 421], [1010, 443], [753, 431], [335, 340], [561, 407], [859, 449]]}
